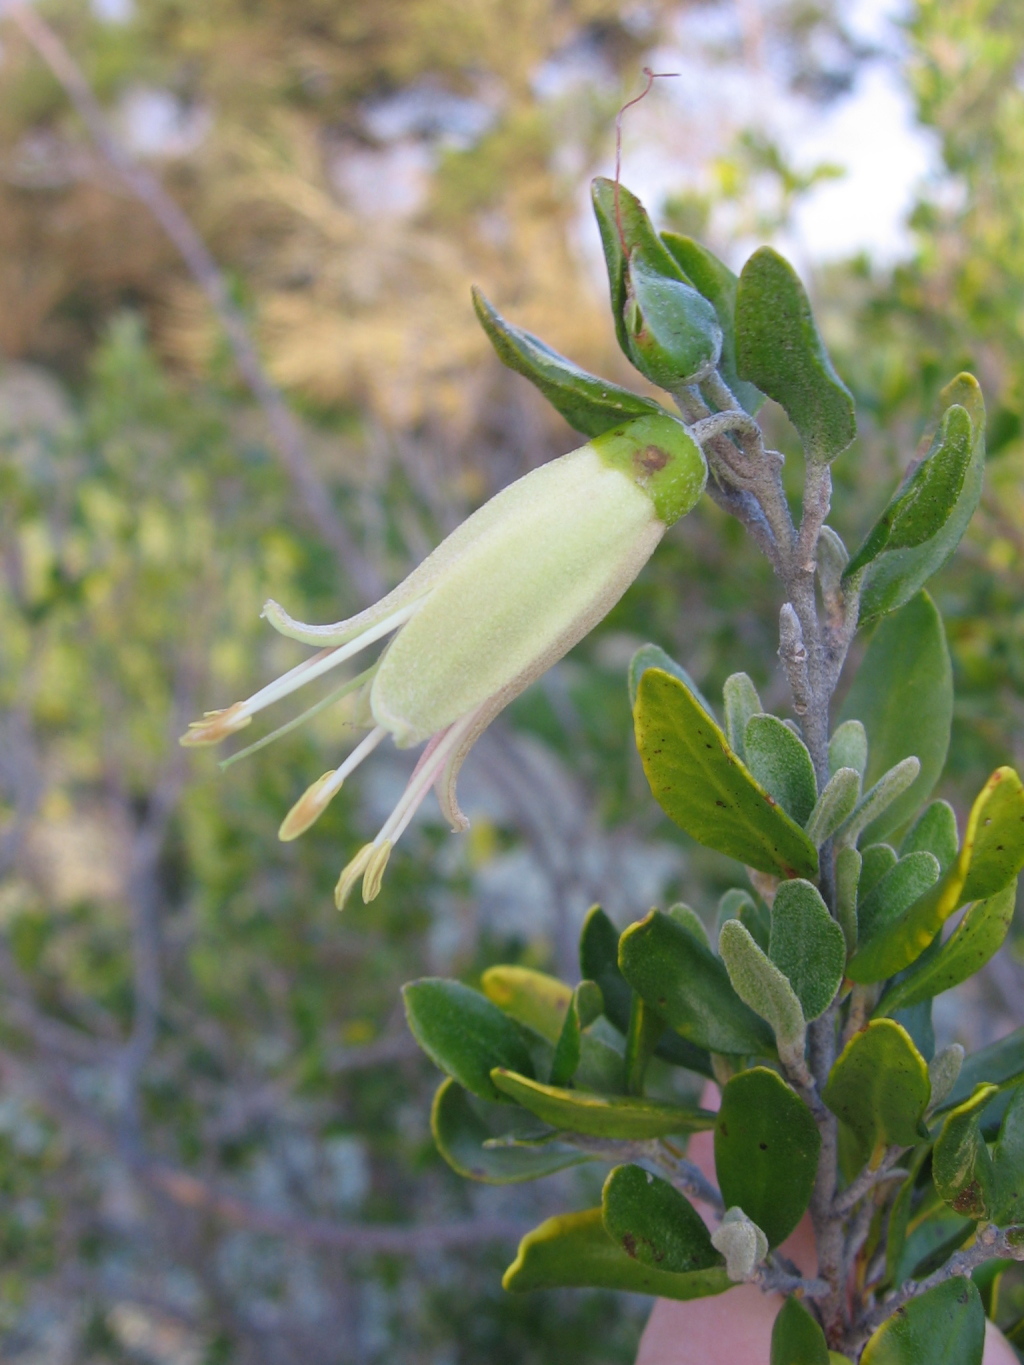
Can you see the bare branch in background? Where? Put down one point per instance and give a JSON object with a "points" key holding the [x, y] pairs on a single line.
{"points": [[285, 430]]}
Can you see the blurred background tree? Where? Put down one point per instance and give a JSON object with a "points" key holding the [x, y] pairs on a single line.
{"points": [[214, 1138]]}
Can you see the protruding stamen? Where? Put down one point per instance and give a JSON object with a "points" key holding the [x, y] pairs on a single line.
{"points": [[315, 799], [337, 694], [351, 874], [215, 726], [374, 874]]}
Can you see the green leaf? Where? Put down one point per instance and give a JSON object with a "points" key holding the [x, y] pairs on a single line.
{"points": [[672, 332], [686, 916], [944, 1326], [848, 873], [978, 937], [626, 229], [741, 701], [943, 1072], [589, 404], [879, 1087], [848, 747], [753, 915], [904, 883], [903, 692], [897, 573], [872, 805], [653, 656], [990, 858], [611, 1116], [461, 1135], [701, 784], [934, 831], [927, 497], [778, 348], [654, 1223], [762, 986], [797, 1339], [961, 1165], [689, 987], [779, 760], [599, 961], [993, 1065], [766, 1151], [574, 1251], [807, 945], [1008, 1166], [718, 284], [876, 861], [899, 1218], [832, 807], [533, 998], [464, 1034], [645, 1031], [586, 1005]]}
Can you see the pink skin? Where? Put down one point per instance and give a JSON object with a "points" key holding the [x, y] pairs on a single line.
{"points": [[736, 1328]]}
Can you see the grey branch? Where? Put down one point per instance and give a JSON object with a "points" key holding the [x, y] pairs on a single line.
{"points": [[867, 1180]]}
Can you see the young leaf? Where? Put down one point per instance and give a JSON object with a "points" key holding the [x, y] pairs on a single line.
{"points": [[833, 806], [848, 747], [848, 873], [928, 496], [896, 574], [766, 1151], [961, 1165], [993, 1065], [944, 1326], [778, 348], [741, 1242], [464, 1034], [753, 915], [779, 760], [574, 1251], [797, 1339], [589, 404], [686, 916], [599, 961], [807, 945], [701, 784], [689, 987], [625, 230], [901, 886], [672, 332], [903, 692], [879, 1087], [741, 701], [611, 1116], [943, 1070], [886, 791], [978, 937], [461, 1135], [529, 997], [990, 858], [934, 831], [585, 1006], [718, 284], [762, 986], [654, 1224]]}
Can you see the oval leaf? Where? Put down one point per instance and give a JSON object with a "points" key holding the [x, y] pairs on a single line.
{"points": [[589, 404], [535, 999], [781, 763], [879, 1087], [701, 784], [653, 1223], [766, 1151], [464, 1034], [779, 349], [807, 945], [903, 693], [689, 987], [612, 1116], [945, 1326], [574, 1251], [672, 331], [797, 1339], [461, 1134]]}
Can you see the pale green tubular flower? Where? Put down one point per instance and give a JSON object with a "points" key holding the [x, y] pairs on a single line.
{"points": [[505, 596]]}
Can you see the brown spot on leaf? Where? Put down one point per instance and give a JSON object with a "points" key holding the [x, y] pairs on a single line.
{"points": [[629, 1244], [969, 1200]]}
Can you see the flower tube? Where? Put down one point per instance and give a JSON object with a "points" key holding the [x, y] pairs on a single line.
{"points": [[504, 597]]}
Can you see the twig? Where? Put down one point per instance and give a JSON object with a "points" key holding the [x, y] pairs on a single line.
{"points": [[868, 1178], [144, 186]]}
